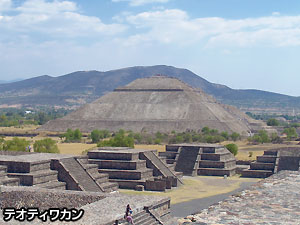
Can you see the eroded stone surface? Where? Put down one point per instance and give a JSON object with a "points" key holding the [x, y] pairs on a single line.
{"points": [[275, 200]]}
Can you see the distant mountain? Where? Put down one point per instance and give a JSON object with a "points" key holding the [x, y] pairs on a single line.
{"points": [[9, 81], [75, 89]]}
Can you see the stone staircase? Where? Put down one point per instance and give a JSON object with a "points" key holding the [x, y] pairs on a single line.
{"points": [[125, 167], [5, 180], [143, 218], [216, 161], [160, 168], [263, 167], [200, 159], [79, 174], [188, 160], [39, 174], [101, 179]]}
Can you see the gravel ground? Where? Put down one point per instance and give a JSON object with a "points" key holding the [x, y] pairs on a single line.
{"points": [[275, 200]]}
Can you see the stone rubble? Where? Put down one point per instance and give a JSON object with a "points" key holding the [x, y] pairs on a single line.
{"points": [[275, 200]]}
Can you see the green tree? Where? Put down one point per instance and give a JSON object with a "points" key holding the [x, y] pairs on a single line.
{"points": [[46, 145], [16, 144], [205, 130], [157, 141], [2, 141], [72, 136], [235, 136], [275, 138], [291, 133], [179, 138], [137, 137], [233, 148], [119, 140], [95, 136], [272, 122], [264, 136], [42, 118], [225, 135]]}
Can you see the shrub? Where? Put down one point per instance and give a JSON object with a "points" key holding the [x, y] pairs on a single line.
{"points": [[16, 144], [272, 122], [119, 140], [72, 136], [275, 139], [225, 135], [157, 141], [205, 130], [235, 136], [233, 148], [95, 136], [46, 145], [264, 136], [138, 137], [291, 133], [2, 141]]}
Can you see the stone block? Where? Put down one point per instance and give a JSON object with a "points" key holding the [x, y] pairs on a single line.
{"points": [[139, 188]]}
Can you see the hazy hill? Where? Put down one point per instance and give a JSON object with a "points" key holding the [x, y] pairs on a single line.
{"points": [[81, 87]]}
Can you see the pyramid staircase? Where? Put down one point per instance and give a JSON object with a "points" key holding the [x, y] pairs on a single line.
{"points": [[81, 176], [188, 160], [160, 168], [101, 179], [5, 180], [38, 174], [200, 159], [128, 168], [263, 167]]}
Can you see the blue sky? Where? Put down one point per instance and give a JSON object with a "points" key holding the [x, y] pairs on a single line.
{"points": [[247, 44]]}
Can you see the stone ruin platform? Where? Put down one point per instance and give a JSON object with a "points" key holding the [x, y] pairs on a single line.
{"points": [[52, 171], [273, 161], [135, 168], [99, 208], [200, 159], [274, 200]]}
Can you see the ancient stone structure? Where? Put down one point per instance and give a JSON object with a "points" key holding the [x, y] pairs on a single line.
{"points": [[154, 104], [99, 208], [135, 168], [200, 159], [274, 161], [52, 171]]}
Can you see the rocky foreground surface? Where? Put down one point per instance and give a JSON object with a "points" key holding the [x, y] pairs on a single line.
{"points": [[275, 200]]}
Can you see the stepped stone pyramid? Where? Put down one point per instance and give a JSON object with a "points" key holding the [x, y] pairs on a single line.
{"points": [[157, 103], [134, 168], [52, 171], [200, 159]]}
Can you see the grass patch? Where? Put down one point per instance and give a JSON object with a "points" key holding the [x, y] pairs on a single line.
{"points": [[197, 187]]}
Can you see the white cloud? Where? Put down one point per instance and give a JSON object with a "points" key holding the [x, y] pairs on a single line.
{"points": [[5, 5], [175, 26], [56, 18], [141, 2]]}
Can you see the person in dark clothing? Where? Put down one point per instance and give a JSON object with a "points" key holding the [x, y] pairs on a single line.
{"points": [[128, 215]]}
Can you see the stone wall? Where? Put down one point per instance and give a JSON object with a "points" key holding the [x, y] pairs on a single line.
{"points": [[288, 163], [43, 199]]}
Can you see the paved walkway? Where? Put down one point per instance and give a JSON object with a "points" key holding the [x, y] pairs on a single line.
{"points": [[191, 207], [275, 200]]}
